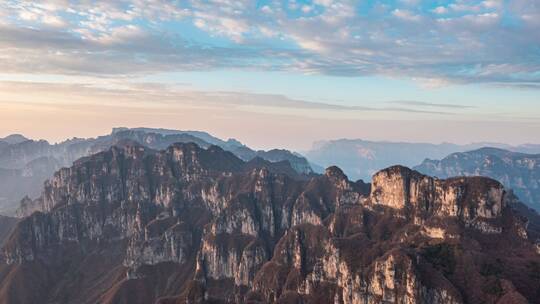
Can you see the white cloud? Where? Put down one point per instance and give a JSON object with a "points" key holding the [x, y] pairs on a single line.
{"points": [[266, 9], [493, 4], [432, 83], [327, 37], [28, 15], [52, 20], [222, 25], [268, 32], [200, 23], [531, 19], [310, 44], [440, 10], [406, 15], [324, 2], [464, 7], [307, 8]]}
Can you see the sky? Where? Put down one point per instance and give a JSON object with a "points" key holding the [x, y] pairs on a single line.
{"points": [[274, 73]]}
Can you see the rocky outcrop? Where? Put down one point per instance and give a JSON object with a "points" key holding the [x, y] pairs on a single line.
{"points": [[468, 198], [193, 225], [314, 267]]}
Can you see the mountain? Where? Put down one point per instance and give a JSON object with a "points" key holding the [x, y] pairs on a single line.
{"points": [[13, 139], [6, 226], [361, 158], [166, 137], [518, 171], [194, 225], [16, 183], [298, 162], [25, 165], [230, 144]]}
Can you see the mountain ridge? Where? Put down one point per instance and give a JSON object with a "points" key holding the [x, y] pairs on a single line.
{"points": [[517, 171], [177, 226], [15, 159], [14, 139], [362, 158]]}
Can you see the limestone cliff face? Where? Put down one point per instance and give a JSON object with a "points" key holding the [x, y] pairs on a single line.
{"points": [[315, 267], [122, 193], [193, 225], [468, 198]]}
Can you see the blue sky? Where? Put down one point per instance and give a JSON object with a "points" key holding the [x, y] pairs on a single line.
{"points": [[285, 66]]}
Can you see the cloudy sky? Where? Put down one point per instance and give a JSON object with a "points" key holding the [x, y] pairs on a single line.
{"points": [[274, 73]]}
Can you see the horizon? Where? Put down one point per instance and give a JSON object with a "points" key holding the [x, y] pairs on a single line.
{"points": [[313, 145], [272, 73]]}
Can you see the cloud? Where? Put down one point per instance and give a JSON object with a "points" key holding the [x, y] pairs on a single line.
{"points": [[280, 101], [456, 43], [440, 10], [232, 28], [155, 95], [406, 15], [124, 50], [429, 104]]}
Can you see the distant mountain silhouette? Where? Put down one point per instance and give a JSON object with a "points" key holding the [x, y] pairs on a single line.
{"points": [[517, 171], [361, 158]]}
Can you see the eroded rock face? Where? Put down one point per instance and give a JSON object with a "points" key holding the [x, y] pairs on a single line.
{"points": [[315, 266], [468, 198], [200, 225], [164, 240]]}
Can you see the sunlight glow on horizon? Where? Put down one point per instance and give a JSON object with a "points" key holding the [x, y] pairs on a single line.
{"points": [[295, 72]]}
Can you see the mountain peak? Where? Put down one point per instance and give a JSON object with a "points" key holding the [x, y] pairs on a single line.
{"points": [[335, 172], [397, 169], [14, 139]]}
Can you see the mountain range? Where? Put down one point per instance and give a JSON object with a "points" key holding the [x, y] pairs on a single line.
{"points": [[361, 158], [26, 164], [188, 224], [517, 171]]}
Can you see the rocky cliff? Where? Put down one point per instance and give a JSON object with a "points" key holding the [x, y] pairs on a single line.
{"points": [[517, 171], [25, 164], [194, 225]]}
